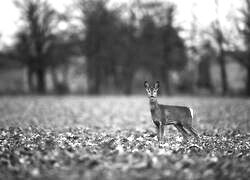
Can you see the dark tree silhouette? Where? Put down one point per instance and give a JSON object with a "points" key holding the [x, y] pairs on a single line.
{"points": [[115, 47], [204, 68], [162, 49], [35, 40], [101, 28], [151, 45], [244, 56], [220, 40], [127, 53], [174, 50], [65, 47]]}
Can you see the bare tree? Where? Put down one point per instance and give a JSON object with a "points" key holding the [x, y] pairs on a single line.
{"points": [[244, 56], [100, 25], [174, 49], [35, 40], [219, 38], [163, 49], [204, 66]]}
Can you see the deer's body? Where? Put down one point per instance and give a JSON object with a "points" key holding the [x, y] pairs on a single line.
{"points": [[166, 114], [179, 116]]}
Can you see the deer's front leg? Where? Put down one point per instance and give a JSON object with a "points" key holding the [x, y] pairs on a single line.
{"points": [[161, 132], [158, 132]]}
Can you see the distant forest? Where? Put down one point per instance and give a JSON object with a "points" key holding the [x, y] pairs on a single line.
{"points": [[114, 49]]}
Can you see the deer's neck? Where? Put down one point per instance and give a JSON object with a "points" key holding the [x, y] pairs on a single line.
{"points": [[153, 105]]}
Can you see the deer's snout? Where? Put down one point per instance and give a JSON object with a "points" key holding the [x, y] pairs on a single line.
{"points": [[152, 94]]}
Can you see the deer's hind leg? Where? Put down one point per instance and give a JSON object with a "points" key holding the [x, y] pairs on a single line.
{"points": [[182, 131], [161, 132], [157, 127], [192, 131]]}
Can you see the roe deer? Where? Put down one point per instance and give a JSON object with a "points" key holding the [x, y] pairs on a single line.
{"points": [[162, 115]]}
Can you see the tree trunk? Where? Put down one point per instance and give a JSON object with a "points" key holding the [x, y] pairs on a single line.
{"points": [[97, 84], [94, 82], [30, 79], [94, 75], [204, 79], [248, 82], [41, 81], [223, 73], [54, 78], [128, 79], [165, 76], [65, 74]]}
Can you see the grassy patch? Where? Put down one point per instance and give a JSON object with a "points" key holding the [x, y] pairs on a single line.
{"points": [[114, 138]]}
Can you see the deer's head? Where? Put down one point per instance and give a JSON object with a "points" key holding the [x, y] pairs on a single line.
{"points": [[152, 91]]}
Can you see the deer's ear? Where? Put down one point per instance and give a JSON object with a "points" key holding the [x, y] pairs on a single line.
{"points": [[146, 85], [157, 85]]}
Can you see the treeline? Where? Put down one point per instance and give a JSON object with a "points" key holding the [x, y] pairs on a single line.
{"points": [[116, 48], [114, 44]]}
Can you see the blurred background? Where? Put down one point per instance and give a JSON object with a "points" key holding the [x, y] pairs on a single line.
{"points": [[113, 46]]}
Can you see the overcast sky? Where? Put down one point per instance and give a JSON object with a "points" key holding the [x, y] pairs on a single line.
{"points": [[204, 10]]}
